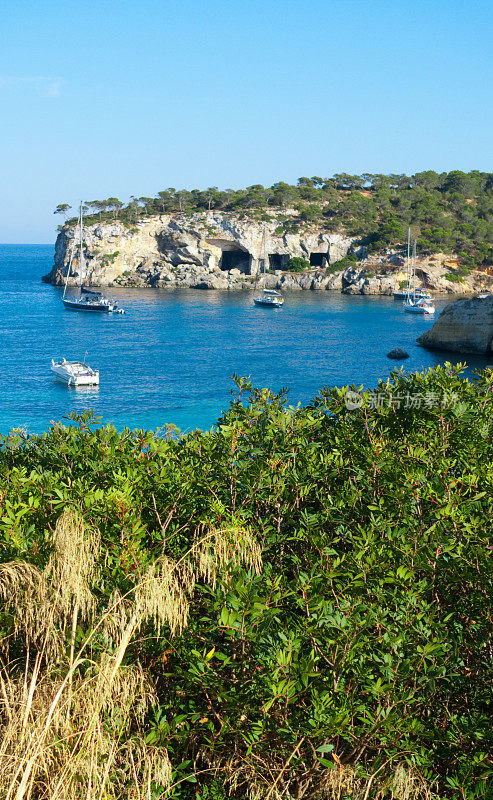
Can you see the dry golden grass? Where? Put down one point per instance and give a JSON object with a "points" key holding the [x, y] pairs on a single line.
{"points": [[258, 779], [72, 720]]}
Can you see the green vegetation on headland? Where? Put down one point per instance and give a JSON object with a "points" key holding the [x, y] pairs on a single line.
{"points": [[295, 604], [450, 212]]}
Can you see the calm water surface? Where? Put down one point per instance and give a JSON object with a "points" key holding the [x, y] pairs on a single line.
{"points": [[170, 357]]}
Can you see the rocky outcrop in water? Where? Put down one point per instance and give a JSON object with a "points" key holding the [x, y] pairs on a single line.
{"points": [[215, 250], [398, 354], [465, 326], [210, 250]]}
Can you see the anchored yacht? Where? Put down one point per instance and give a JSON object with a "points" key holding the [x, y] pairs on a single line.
{"points": [[74, 373], [416, 303], [269, 297], [87, 300]]}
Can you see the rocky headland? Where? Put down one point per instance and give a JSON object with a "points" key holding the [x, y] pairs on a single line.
{"points": [[465, 326], [218, 250]]}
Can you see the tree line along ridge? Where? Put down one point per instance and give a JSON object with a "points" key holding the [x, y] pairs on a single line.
{"points": [[449, 212]]}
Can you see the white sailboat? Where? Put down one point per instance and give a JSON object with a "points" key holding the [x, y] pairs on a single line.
{"points": [[88, 300], [413, 303], [269, 297], [420, 294]]}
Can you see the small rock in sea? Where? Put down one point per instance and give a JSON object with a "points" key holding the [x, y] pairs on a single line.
{"points": [[397, 353]]}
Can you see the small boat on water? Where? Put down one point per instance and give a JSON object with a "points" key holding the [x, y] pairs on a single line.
{"points": [[88, 300], [269, 298], [423, 306], [405, 294], [414, 303], [421, 294], [408, 292], [74, 373]]}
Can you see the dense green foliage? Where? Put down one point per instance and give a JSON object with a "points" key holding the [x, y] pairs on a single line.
{"points": [[298, 264], [449, 212], [365, 642]]}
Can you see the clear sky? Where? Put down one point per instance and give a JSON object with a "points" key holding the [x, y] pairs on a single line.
{"points": [[106, 98]]}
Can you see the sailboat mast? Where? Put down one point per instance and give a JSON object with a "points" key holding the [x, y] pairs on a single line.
{"points": [[72, 251], [264, 259], [407, 264], [81, 255], [414, 270]]}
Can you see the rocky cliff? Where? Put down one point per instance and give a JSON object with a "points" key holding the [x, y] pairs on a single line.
{"points": [[224, 251], [465, 326]]}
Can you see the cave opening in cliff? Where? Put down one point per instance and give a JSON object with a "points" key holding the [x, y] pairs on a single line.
{"points": [[319, 259], [236, 259], [278, 260], [234, 256]]}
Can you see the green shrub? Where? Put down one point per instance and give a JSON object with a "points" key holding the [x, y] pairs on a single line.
{"points": [[348, 262], [453, 276], [298, 264], [109, 258], [361, 652]]}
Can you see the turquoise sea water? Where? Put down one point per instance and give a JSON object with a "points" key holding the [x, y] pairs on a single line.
{"points": [[170, 357]]}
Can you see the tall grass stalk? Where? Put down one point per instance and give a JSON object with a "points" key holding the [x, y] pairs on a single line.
{"points": [[72, 721]]}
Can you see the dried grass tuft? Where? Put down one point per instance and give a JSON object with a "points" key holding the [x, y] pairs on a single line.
{"points": [[72, 723], [73, 566], [265, 778], [406, 783], [160, 596], [218, 551]]}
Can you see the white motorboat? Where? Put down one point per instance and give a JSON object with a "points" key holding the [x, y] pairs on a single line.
{"points": [[88, 300], [269, 297], [74, 373]]}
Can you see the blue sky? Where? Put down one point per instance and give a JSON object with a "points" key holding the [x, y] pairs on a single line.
{"points": [[119, 98]]}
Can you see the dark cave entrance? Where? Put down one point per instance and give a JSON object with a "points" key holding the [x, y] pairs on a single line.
{"points": [[278, 260], [319, 259], [236, 259], [233, 255]]}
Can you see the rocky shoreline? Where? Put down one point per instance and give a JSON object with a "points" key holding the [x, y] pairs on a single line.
{"points": [[216, 250], [465, 326]]}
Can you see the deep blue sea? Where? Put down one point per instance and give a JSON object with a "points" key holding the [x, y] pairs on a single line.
{"points": [[170, 358]]}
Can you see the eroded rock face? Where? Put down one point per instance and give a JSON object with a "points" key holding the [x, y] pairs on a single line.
{"points": [[210, 249], [359, 281], [465, 326], [217, 250]]}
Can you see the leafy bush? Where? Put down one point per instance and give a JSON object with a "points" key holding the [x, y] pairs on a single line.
{"points": [[357, 657], [109, 258], [348, 262], [298, 264]]}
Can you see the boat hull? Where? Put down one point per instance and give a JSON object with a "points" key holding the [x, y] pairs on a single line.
{"points": [[405, 295], [267, 304], [98, 307], [75, 380], [74, 373], [416, 310]]}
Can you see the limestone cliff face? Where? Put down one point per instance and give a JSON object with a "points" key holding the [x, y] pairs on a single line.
{"points": [[207, 250], [217, 250], [465, 326]]}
